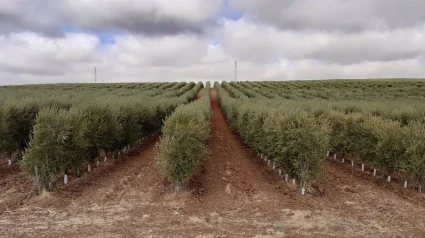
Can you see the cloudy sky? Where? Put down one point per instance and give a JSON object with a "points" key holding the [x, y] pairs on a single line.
{"points": [[49, 41]]}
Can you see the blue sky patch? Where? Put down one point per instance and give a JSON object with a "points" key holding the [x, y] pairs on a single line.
{"points": [[216, 43], [226, 11], [105, 38]]}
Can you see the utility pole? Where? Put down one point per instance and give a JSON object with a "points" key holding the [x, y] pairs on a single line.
{"points": [[95, 75], [235, 77]]}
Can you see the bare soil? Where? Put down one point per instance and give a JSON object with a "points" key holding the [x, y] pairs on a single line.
{"points": [[234, 195], [16, 188]]}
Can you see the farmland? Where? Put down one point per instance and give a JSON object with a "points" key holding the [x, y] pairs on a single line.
{"points": [[172, 159], [378, 123]]}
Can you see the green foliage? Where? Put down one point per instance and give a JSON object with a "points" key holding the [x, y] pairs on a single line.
{"points": [[75, 122], [128, 130], [183, 148], [17, 121], [415, 152], [293, 122], [349, 135], [57, 144], [389, 147], [233, 91], [294, 139], [103, 127], [3, 131], [300, 143], [377, 121]]}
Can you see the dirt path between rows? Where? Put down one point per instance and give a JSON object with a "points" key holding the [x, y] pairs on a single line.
{"points": [[16, 188], [234, 195]]}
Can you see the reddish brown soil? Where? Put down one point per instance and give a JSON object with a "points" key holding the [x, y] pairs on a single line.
{"points": [[234, 195], [16, 188]]}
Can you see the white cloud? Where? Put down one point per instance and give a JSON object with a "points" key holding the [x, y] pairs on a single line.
{"points": [[264, 44], [168, 51], [34, 54]]}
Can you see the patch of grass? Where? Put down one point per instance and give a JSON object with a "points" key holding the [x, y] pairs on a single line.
{"points": [[280, 228], [45, 194]]}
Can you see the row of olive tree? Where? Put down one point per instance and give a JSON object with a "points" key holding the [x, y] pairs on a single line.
{"points": [[386, 144], [68, 139], [183, 145], [17, 115], [16, 121], [294, 139], [388, 137]]}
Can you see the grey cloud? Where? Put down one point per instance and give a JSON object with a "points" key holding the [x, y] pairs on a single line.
{"points": [[39, 16], [13, 23], [143, 17], [334, 15], [151, 22]]}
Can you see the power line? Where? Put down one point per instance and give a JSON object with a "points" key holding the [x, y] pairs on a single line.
{"points": [[95, 75], [235, 77]]}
